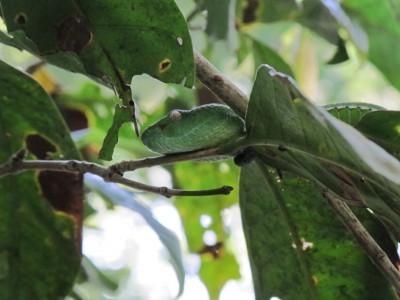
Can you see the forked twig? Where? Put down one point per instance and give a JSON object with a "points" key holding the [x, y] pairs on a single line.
{"points": [[17, 163]]}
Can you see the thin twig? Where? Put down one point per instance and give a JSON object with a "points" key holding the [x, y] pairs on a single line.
{"points": [[365, 240], [16, 164]]}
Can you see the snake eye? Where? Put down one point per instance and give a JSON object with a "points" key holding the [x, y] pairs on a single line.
{"points": [[175, 116]]}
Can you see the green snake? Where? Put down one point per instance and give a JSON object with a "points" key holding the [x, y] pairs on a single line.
{"points": [[215, 125], [203, 127]]}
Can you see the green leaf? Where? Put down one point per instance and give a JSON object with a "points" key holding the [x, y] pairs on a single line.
{"points": [[122, 115], [376, 123], [379, 20], [265, 55], [91, 100], [315, 16], [340, 55], [218, 18], [354, 31], [39, 246], [215, 272], [298, 249], [382, 127], [117, 39], [272, 11], [351, 112], [294, 135]]}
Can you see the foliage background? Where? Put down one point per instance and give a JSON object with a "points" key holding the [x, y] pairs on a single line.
{"points": [[125, 259]]}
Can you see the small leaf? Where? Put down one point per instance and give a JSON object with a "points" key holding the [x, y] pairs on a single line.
{"points": [[122, 115], [340, 55]]}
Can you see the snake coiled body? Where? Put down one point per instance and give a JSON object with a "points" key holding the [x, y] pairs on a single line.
{"points": [[200, 128]]}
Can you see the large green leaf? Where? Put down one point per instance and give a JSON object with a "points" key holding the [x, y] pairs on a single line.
{"points": [[39, 245], [380, 21], [130, 40], [297, 248], [293, 134], [115, 39]]}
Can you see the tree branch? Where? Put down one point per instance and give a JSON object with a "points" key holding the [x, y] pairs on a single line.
{"points": [[220, 85], [17, 163], [365, 240]]}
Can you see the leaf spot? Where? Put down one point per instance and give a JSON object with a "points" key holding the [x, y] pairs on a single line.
{"points": [[314, 280], [164, 65], [180, 41], [21, 19]]}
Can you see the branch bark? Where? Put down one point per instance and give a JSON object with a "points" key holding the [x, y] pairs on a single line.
{"points": [[220, 85]]}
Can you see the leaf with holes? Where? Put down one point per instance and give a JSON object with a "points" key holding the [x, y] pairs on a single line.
{"points": [[40, 212], [117, 39]]}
